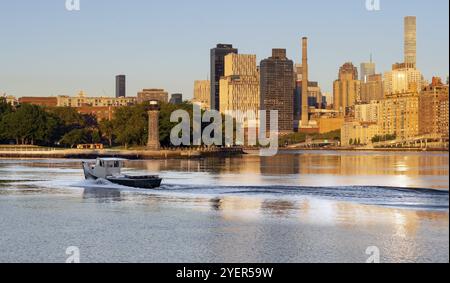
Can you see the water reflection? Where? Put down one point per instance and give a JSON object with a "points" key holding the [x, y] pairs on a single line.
{"points": [[397, 169], [102, 195], [276, 220]]}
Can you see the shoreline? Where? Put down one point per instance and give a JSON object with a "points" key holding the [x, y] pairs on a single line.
{"points": [[369, 149], [179, 154], [126, 154]]}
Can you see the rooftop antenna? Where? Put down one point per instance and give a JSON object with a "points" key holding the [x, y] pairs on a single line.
{"points": [[370, 57]]}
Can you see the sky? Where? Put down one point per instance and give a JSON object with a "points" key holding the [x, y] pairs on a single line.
{"points": [[46, 50]]}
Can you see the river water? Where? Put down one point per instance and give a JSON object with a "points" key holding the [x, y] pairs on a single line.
{"points": [[311, 206]]}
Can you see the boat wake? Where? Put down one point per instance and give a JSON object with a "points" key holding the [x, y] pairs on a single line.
{"points": [[411, 198]]}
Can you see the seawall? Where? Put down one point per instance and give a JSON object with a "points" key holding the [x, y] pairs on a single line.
{"points": [[127, 154]]}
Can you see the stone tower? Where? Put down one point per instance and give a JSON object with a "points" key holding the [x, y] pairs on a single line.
{"points": [[153, 126]]}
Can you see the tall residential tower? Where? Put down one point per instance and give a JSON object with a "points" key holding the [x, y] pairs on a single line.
{"points": [[410, 42]]}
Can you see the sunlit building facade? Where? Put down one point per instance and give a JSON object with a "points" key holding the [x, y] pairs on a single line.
{"points": [[358, 133], [399, 115], [434, 109], [346, 90], [83, 100], [239, 88], [202, 94]]}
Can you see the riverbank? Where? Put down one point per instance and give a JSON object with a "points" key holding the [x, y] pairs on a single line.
{"points": [[127, 154], [370, 149]]}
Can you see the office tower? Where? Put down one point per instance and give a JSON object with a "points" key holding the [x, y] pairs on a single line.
{"points": [[346, 90], [367, 69], [305, 107], [410, 42], [372, 89], [120, 86], [202, 94], [433, 109], [176, 98], [218, 70], [239, 87], [277, 87], [159, 95]]}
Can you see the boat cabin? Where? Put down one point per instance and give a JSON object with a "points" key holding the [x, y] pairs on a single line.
{"points": [[108, 167]]}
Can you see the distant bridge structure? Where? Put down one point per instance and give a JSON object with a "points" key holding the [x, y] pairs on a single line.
{"points": [[421, 142]]}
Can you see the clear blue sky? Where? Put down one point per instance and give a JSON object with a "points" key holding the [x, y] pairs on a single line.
{"points": [[46, 50]]}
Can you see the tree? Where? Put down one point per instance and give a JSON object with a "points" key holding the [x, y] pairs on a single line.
{"points": [[5, 108], [69, 117], [350, 142], [74, 137], [131, 125], [29, 124], [107, 131]]}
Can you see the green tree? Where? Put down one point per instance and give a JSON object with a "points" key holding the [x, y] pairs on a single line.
{"points": [[130, 125], [29, 124], [75, 137], [5, 108], [107, 131]]}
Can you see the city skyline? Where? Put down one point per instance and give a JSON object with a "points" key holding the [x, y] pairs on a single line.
{"points": [[78, 57]]}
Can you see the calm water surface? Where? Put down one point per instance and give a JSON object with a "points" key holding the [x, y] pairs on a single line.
{"points": [[296, 207]]}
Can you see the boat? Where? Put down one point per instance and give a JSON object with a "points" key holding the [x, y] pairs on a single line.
{"points": [[110, 169]]}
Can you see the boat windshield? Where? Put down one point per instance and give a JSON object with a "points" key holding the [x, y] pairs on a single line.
{"points": [[109, 163]]}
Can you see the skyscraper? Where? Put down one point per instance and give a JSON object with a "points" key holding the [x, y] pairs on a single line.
{"points": [[367, 69], [372, 88], [405, 76], [239, 87], [120, 86], [371, 83], [277, 88], [410, 42], [346, 90], [218, 70]]}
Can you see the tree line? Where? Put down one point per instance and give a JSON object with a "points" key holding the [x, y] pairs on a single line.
{"points": [[29, 124]]}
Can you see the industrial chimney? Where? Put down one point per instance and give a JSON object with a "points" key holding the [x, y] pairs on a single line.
{"points": [[305, 108]]}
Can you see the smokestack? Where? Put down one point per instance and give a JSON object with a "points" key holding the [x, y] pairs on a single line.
{"points": [[305, 108]]}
